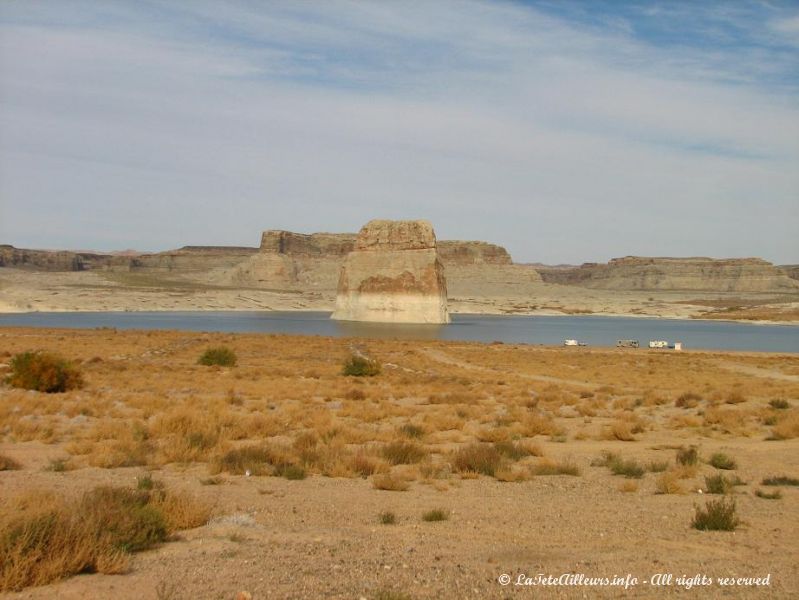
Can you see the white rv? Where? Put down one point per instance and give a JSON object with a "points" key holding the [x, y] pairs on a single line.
{"points": [[658, 344]]}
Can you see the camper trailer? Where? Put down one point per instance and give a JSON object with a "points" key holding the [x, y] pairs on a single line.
{"points": [[658, 344]]}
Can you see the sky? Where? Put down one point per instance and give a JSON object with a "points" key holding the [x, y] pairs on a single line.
{"points": [[565, 131]]}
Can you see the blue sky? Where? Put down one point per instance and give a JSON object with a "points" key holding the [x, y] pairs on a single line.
{"points": [[566, 131]]}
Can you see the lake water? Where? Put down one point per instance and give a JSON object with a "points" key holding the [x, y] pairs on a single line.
{"points": [[593, 330]]}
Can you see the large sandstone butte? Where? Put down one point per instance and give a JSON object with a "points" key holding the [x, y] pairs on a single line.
{"points": [[393, 275]]}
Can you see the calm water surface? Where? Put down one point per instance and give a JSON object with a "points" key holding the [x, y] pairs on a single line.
{"points": [[595, 331]]}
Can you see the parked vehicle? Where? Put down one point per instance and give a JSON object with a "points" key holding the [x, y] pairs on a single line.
{"points": [[570, 343], [658, 344], [628, 344]]}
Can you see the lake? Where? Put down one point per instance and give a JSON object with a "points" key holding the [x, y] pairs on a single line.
{"points": [[550, 330]]}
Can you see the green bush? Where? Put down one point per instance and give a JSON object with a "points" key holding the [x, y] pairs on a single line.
{"points": [[44, 372], [220, 355], [722, 461], [718, 515], [361, 366]]}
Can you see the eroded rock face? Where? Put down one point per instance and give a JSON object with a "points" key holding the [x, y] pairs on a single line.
{"points": [[690, 274], [393, 275]]}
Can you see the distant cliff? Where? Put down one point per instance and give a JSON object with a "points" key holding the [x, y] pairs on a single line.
{"points": [[689, 274]]}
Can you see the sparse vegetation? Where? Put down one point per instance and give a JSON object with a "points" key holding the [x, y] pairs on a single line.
{"points": [[629, 468], [688, 400], [44, 372], [548, 467], [361, 366], [477, 458], [389, 482], [717, 515], [687, 456], [718, 484], [722, 461], [221, 356], [46, 537], [775, 495], [779, 404], [404, 453], [781, 480], [437, 514], [668, 483], [8, 464], [387, 517], [657, 466]]}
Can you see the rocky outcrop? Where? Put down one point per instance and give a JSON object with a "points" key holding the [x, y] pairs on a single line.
{"points": [[393, 275], [50, 260], [791, 271], [460, 253], [678, 274], [190, 259]]}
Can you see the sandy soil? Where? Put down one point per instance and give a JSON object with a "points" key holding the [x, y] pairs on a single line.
{"points": [[321, 538]]}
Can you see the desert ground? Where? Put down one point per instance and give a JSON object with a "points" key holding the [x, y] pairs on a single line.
{"points": [[455, 465], [28, 291]]}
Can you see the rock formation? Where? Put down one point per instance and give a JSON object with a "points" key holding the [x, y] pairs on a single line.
{"points": [[393, 275], [687, 274]]}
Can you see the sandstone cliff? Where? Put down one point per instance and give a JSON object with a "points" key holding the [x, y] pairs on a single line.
{"points": [[393, 275], [689, 274], [50, 260]]}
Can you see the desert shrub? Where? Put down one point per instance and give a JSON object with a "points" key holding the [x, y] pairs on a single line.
{"points": [[477, 458], [718, 484], [58, 465], [722, 461], [787, 427], [687, 456], [775, 495], [44, 372], [44, 538], [688, 400], [361, 366], [291, 472], [8, 464], [630, 468], [668, 483], [514, 450], [404, 453], [387, 517], [412, 431], [628, 487], [717, 515], [257, 459], [218, 355], [437, 514], [657, 466], [779, 404], [735, 398], [389, 482], [548, 467], [355, 394], [781, 480]]}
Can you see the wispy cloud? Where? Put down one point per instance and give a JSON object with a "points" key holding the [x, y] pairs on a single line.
{"points": [[567, 131]]}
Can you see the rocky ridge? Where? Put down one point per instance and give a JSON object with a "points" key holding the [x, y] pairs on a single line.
{"points": [[665, 273]]}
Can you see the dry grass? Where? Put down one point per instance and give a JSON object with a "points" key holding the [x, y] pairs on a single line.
{"points": [[287, 410], [8, 464], [47, 537]]}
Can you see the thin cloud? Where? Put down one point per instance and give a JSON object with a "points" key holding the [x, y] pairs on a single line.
{"points": [[153, 125]]}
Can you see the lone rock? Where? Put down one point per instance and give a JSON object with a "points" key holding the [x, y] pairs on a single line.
{"points": [[393, 275]]}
